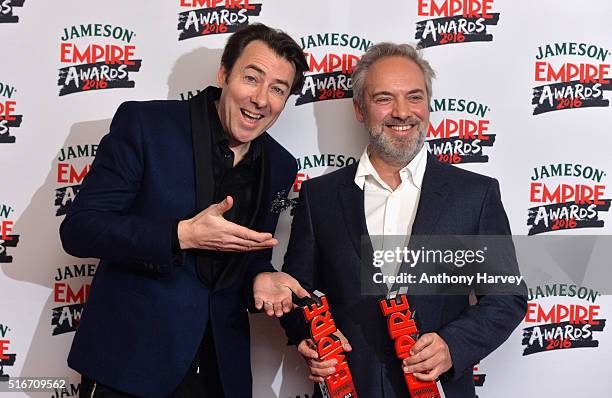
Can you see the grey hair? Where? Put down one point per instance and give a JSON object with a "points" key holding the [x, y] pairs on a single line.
{"points": [[383, 50]]}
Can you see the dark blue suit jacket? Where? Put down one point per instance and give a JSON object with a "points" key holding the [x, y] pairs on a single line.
{"points": [[147, 312], [324, 253]]}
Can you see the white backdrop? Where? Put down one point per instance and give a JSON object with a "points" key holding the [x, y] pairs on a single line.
{"points": [[48, 136]]}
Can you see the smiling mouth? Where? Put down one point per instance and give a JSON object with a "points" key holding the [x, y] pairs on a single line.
{"points": [[251, 116], [403, 127]]}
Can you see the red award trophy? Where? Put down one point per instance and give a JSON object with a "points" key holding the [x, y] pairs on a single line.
{"points": [[404, 332], [321, 326]]}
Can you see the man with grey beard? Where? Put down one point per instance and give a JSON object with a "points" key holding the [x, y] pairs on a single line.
{"points": [[397, 188]]}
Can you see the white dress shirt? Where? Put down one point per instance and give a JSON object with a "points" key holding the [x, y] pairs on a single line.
{"points": [[390, 212]]}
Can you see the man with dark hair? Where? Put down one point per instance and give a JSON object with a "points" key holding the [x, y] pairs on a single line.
{"points": [[177, 205], [283, 45], [396, 189]]}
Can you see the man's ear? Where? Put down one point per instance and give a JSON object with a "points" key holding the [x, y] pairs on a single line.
{"points": [[358, 113], [221, 76]]}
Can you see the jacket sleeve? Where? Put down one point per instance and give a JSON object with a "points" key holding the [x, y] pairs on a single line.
{"points": [[483, 327], [99, 223], [300, 260]]}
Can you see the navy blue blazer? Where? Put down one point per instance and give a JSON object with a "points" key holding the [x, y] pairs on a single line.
{"points": [[324, 253], [147, 312]]}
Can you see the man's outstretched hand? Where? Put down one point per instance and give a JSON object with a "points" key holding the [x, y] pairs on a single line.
{"points": [[272, 292], [208, 230]]}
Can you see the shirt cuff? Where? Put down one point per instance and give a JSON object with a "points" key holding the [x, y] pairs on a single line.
{"points": [[177, 253]]}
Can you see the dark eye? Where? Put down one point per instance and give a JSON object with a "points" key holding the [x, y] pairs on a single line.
{"points": [[416, 98], [278, 90], [250, 79]]}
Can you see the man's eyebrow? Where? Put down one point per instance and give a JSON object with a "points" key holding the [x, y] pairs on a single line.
{"points": [[261, 72], [255, 68], [283, 82], [383, 92], [416, 90], [377, 93]]}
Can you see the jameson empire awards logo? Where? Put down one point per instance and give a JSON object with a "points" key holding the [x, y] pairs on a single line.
{"points": [[456, 21], [101, 59], [73, 164], [8, 117], [6, 10], [7, 238], [319, 160], [7, 359], [572, 75], [462, 132], [574, 200], [70, 290], [331, 58], [212, 17], [561, 326]]}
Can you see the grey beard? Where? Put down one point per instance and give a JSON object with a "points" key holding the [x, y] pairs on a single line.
{"points": [[393, 154]]}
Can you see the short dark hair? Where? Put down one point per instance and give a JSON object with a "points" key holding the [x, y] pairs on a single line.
{"points": [[278, 41]]}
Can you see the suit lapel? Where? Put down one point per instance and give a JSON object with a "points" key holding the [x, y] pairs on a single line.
{"points": [[266, 186], [351, 201], [353, 213], [431, 204], [204, 176], [202, 151], [434, 192], [263, 190]]}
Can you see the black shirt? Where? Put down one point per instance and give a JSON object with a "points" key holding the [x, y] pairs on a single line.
{"points": [[241, 182]]}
